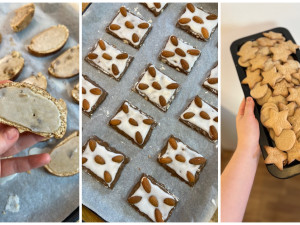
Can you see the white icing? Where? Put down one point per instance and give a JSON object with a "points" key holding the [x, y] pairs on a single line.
{"points": [[152, 93], [13, 204], [91, 98], [199, 121], [105, 64], [126, 33], [175, 60], [98, 169], [129, 129], [153, 7], [196, 27], [181, 168], [213, 74], [146, 207]]}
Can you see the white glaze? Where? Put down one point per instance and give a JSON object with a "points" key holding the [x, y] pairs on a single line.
{"points": [[213, 74], [153, 7], [91, 98]]}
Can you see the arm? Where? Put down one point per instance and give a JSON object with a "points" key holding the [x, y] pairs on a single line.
{"points": [[238, 176]]}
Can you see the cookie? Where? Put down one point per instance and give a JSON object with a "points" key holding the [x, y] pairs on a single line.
{"points": [[155, 7], [277, 99], [278, 121], [264, 41], [258, 62], [286, 140], [263, 100], [274, 36], [280, 52], [294, 153], [247, 51], [295, 118], [276, 157], [294, 95], [281, 88], [288, 68], [259, 90], [211, 82], [271, 77], [253, 77]]}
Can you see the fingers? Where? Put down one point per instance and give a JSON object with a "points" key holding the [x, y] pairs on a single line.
{"points": [[249, 108], [4, 81], [242, 108], [23, 164], [8, 137]]}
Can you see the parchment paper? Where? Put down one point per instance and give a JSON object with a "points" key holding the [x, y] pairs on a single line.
{"points": [[43, 196], [195, 204]]}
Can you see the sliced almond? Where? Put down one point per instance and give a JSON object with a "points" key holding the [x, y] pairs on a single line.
{"points": [[204, 115], [123, 11], [138, 138], [143, 25], [197, 161], [213, 133], [165, 160], [133, 122], [193, 52], [174, 40], [198, 101], [96, 91], [169, 201], [180, 52], [129, 25], [85, 104], [184, 20], [135, 38], [107, 177], [98, 159], [188, 115], [125, 108], [158, 216], [212, 80], [146, 184], [197, 19], [204, 32], [167, 54], [143, 86], [92, 56], [115, 122], [102, 45], [173, 143], [106, 56], [114, 27], [173, 86], [134, 199], [157, 5], [216, 119], [184, 64], [148, 121], [156, 85], [190, 177], [118, 159], [84, 160], [153, 201], [152, 71], [190, 7], [212, 17], [162, 100], [180, 158], [83, 90], [115, 69], [92, 145], [122, 56]]}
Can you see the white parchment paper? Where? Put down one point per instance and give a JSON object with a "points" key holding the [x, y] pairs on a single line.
{"points": [[195, 204]]}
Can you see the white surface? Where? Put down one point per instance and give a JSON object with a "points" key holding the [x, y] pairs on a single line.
{"points": [[240, 20]]}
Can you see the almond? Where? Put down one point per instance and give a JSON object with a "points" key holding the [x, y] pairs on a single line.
{"points": [[162, 101], [123, 11], [212, 17], [156, 85], [115, 122], [92, 56], [197, 161], [118, 159], [174, 40], [169, 201], [213, 133], [152, 71], [184, 64], [173, 86], [115, 69], [92, 145], [212, 80], [134, 199], [158, 216], [143, 25], [191, 7], [83, 90], [173, 143], [138, 138], [188, 115], [153, 200], [96, 91], [122, 56], [98, 159], [129, 25], [180, 158], [102, 45], [106, 56], [180, 52], [114, 27], [204, 115], [107, 177], [190, 177], [85, 104], [165, 160], [193, 52], [143, 86], [184, 20], [198, 101], [204, 32], [148, 121], [125, 108], [167, 54], [133, 122], [157, 5], [146, 184], [197, 19], [84, 160], [135, 38], [216, 119]]}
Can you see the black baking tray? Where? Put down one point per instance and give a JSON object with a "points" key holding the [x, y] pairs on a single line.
{"points": [[292, 169]]}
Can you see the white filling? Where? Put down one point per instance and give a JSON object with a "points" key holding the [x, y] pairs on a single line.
{"points": [[214, 74], [91, 98], [13, 204], [152, 6]]}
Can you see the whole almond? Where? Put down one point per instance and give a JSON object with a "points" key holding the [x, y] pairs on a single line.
{"points": [[157, 5], [197, 161], [174, 40], [92, 56], [102, 44], [212, 17], [92, 145], [123, 11], [156, 85], [152, 71], [188, 115], [180, 52], [122, 56], [118, 159], [198, 101], [85, 104], [96, 91], [162, 101], [193, 52], [114, 27], [106, 56], [197, 19], [165, 160], [133, 122], [212, 80], [190, 177], [153, 200], [173, 143], [213, 133], [115, 122], [135, 38], [169, 201], [115, 69], [125, 108], [143, 86], [84, 160], [158, 215], [98, 159], [180, 158], [148, 121], [167, 54], [129, 25], [204, 115], [184, 20], [204, 32], [184, 64], [138, 137], [173, 86], [216, 119], [107, 177], [143, 25], [134, 199], [191, 7], [146, 184], [83, 90]]}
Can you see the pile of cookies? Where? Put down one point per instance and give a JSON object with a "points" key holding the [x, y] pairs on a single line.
{"points": [[273, 77]]}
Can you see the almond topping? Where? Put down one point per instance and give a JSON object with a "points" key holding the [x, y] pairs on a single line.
{"points": [[204, 115], [122, 56], [216, 119], [188, 115], [180, 52], [123, 11], [125, 108], [134, 199], [83, 90], [158, 215], [165, 160], [156, 85], [153, 200], [157, 5], [212, 17], [169, 201], [118, 158], [212, 80], [138, 137], [162, 100], [197, 19], [115, 69], [102, 45], [148, 121], [190, 177], [92, 145], [173, 143], [191, 7], [197, 161], [98, 159], [133, 122], [204, 32], [114, 27], [115, 122], [213, 133], [143, 25], [167, 54], [184, 20], [129, 25], [173, 86], [143, 86], [135, 38], [198, 101], [92, 56], [84, 160], [174, 40], [152, 71], [106, 56], [184, 64], [146, 185], [193, 52], [107, 177], [96, 91], [180, 158], [85, 104]]}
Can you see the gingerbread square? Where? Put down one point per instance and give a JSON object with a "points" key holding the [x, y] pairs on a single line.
{"points": [[211, 82]]}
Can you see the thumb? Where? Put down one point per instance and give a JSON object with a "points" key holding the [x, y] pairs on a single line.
{"points": [[249, 108], [8, 137]]}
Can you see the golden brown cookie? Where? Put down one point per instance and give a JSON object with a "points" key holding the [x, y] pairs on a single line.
{"points": [[252, 78], [278, 121], [274, 36], [280, 52], [294, 153], [290, 107], [295, 120], [258, 62], [291, 66], [276, 157], [247, 51], [264, 41], [286, 140], [294, 95], [263, 100], [244, 64], [281, 88], [259, 90], [271, 77], [277, 99]]}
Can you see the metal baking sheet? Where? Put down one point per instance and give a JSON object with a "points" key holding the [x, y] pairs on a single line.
{"points": [[195, 204], [43, 196]]}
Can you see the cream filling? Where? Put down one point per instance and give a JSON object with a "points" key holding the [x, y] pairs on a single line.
{"points": [[214, 74], [26, 108], [152, 6], [91, 98]]}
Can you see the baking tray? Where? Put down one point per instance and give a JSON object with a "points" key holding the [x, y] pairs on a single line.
{"points": [[195, 204], [294, 168]]}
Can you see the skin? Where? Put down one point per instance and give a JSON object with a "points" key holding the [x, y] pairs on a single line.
{"points": [[238, 176], [11, 143]]}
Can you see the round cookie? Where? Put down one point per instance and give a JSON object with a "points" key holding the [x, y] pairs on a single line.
{"points": [[263, 100], [259, 90], [286, 140]]}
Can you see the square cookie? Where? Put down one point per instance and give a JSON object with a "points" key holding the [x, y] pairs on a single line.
{"points": [[152, 200], [130, 28], [202, 117], [155, 7], [102, 161], [181, 161], [109, 60], [211, 82], [92, 95], [156, 87], [197, 22], [179, 55], [134, 124]]}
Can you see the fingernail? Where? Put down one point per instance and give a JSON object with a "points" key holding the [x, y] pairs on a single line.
{"points": [[11, 133], [248, 99]]}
